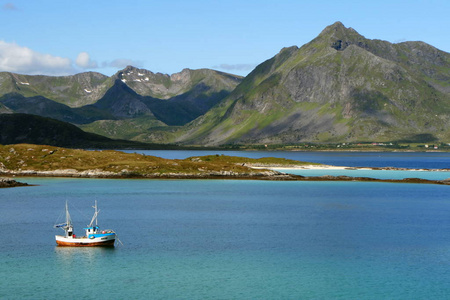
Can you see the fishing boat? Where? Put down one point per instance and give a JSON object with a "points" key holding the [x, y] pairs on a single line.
{"points": [[94, 237]]}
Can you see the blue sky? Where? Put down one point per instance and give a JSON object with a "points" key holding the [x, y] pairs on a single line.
{"points": [[58, 37]]}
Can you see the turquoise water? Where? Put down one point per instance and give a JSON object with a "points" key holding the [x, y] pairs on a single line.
{"points": [[225, 239], [380, 174], [411, 160]]}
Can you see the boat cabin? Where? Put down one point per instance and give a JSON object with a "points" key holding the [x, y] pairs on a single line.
{"points": [[69, 232], [91, 231]]}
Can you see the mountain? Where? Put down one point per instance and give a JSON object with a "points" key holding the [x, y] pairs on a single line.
{"points": [[123, 102], [163, 86], [174, 100], [31, 129], [89, 87], [110, 104], [340, 87], [73, 91], [39, 105]]}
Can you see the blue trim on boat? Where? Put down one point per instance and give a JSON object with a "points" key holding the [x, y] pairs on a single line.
{"points": [[97, 235]]}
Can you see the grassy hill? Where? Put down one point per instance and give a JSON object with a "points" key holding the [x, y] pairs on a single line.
{"points": [[24, 128], [26, 159]]}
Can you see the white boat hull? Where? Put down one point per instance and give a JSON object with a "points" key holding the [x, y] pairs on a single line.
{"points": [[102, 240]]}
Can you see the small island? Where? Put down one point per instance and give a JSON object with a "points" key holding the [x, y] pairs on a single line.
{"points": [[8, 183], [50, 161]]}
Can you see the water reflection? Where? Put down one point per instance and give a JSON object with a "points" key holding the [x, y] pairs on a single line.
{"points": [[82, 255]]}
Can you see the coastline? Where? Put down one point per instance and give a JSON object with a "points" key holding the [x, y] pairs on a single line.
{"points": [[266, 173], [25, 160], [330, 167]]}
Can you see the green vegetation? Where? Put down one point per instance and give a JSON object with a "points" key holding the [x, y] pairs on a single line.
{"points": [[26, 157], [265, 161], [23, 128], [122, 129]]}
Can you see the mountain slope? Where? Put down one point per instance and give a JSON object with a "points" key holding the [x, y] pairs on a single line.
{"points": [[133, 98], [184, 97], [339, 87], [73, 91], [31, 129], [89, 87], [39, 105], [163, 86]]}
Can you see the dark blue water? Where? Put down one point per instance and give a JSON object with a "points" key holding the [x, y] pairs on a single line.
{"points": [[411, 160], [218, 239]]}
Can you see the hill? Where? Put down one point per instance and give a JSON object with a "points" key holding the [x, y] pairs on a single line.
{"points": [[24, 128], [44, 160], [340, 87]]}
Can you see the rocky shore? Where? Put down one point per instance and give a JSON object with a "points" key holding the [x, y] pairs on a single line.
{"points": [[262, 175], [8, 182]]}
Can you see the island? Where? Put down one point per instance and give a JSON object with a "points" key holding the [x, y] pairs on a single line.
{"points": [[49, 161]]}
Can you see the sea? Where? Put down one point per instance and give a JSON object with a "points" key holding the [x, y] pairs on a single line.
{"points": [[235, 239]]}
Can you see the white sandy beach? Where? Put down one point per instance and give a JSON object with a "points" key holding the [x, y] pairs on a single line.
{"points": [[330, 167]]}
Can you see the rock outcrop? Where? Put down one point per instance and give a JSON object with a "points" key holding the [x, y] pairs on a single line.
{"points": [[8, 183]]}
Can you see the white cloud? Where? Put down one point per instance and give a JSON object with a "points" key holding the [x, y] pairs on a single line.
{"points": [[18, 59], [236, 67], [84, 61], [240, 67], [121, 63], [22, 60]]}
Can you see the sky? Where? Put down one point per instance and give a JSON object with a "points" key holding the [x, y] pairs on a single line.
{"points": [[59, 37]]}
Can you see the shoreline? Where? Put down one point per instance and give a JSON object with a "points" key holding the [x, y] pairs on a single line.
{"points": [[331, 167], [26, 160], [267, 173]]}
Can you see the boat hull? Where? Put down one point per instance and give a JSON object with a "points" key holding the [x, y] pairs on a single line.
{"points": [[104, 241]]}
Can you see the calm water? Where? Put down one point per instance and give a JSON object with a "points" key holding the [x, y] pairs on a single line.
{"points": [[224, 239], [412, 160], [380, 174]]}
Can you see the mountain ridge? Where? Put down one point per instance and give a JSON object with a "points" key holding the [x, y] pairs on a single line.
{"points": [[184, 96], [339, 87], [335, 88]]}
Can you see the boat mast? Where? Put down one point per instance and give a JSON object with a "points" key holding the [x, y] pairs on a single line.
{"points": [[67, 226], [94, 218], [68, 220]]}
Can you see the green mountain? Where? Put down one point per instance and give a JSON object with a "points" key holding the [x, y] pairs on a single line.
{"points": [[31, 129], [88, 88], [189, 83], [39, 105], [340, 87], [73, 91], [133, 98]]}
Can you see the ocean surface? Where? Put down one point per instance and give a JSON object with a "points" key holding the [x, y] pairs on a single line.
{"points": [[411, 160], [229, 239]]}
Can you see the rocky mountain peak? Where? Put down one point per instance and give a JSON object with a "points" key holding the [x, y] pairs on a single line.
{"points": [[183, 76], [337, 29], [340, 37]]}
